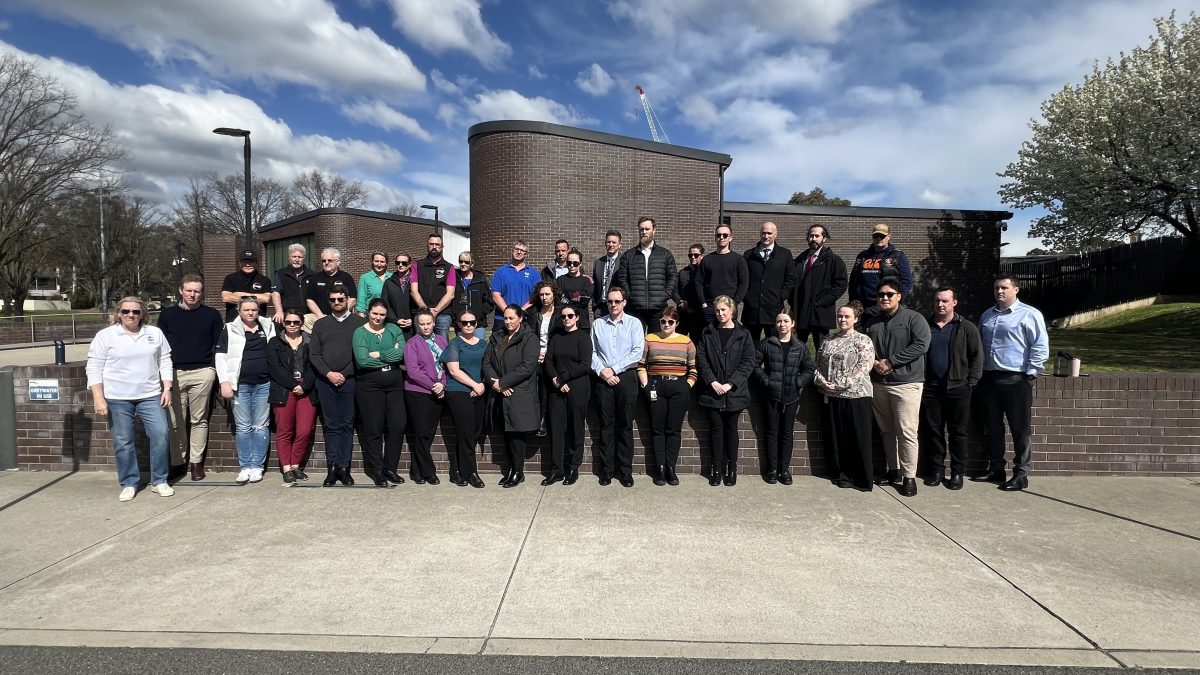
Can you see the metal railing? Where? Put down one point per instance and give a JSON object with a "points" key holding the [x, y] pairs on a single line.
{"points": [[39, 329]]}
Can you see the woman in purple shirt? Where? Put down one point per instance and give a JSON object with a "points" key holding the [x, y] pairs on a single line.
{"points": [[424, 391]]}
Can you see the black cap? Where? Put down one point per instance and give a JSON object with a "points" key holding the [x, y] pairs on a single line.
{"points": [[248, 255]]}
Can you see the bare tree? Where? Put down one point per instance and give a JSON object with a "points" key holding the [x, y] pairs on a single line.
{"points": [[189, 220], [408, 208], [317, 190], [226, 202], [47, 149]]}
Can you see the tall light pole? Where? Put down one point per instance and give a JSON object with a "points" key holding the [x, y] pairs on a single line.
{"points": [[103, 260], [437, 223], [226, 131]]}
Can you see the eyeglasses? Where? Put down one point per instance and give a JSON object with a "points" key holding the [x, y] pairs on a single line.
{"points": [[403, 262], [615, 302], [333, 299], [888, 296], [329, 260], [723, 235], [520, 250], [134, 312], [292, 323], [574, 263], [468, 322], [667, 322]]}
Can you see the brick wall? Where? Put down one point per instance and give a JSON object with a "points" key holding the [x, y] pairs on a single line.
{"points": [[1110, 425]]}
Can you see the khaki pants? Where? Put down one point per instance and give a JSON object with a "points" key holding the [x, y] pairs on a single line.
{"points": [[190, 407], [897, 410]]}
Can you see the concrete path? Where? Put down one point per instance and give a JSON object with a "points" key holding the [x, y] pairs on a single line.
{"points": [[1099, 572]]}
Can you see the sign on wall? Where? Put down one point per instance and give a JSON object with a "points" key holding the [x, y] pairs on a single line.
{"points": [[43, 390]]}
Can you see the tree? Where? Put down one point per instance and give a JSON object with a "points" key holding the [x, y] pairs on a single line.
{"points": [[406, 209], [817, 197], [226, 198], [317, 190], [1120, 152], [47, 150]]}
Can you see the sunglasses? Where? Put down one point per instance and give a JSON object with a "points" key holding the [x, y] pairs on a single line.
{"points": [[341, 299], [723, 235], [667, 322], [468, 322], [464, 262], [293, 323], [570, 316], [887, 295], [329, 260], [879, 235], [615, 302], [695, 255], [403, 262], [574, 263], [134, 312]]}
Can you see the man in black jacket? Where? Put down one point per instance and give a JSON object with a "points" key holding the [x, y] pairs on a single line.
{"points": [[287, 286], [772, 277], [648, 274], [820, 280], [953, 366]]}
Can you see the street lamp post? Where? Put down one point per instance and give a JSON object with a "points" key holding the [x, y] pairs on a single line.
{"points": [[226, 131], [437, 223]]}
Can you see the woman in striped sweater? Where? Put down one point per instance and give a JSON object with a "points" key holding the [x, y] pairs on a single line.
{"points": [[667, 372]]}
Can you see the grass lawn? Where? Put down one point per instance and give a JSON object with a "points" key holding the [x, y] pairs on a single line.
{"points": [[1147, 339]]}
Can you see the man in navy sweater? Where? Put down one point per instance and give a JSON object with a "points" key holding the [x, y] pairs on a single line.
{"points": [[192, 329]]}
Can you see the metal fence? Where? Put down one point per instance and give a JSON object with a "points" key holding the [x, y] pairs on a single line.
{"points": [[35, 329], [1068, 285]]}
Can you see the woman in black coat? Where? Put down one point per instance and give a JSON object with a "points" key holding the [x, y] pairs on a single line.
{"points": [[510, 365], [725, 358], [784, 369], [568, 368], [292, 395]]}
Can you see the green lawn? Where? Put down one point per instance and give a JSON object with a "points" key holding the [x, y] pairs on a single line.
{"points": [[1155, 338]]}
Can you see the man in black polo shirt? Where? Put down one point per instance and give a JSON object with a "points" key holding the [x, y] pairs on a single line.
{"points": [[245, 282], [287, 287], [318, 284], [192, 330], [433, 283]]}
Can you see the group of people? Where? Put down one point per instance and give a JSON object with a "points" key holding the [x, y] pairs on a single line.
{"points": [[378, 355]]}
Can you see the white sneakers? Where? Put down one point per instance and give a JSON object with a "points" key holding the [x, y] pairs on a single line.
{"points": [[243, 477], [127, 493], [164, 489], [256, 475]]}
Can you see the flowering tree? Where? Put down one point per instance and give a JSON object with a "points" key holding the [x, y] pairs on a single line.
{"points": [[1120, 152]]}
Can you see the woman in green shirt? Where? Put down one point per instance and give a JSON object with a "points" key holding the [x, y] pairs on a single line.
{"points": [[379, 393]]}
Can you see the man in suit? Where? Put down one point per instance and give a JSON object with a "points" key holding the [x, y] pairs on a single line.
{"points": [[772, 277], [604, 269], [820, 280]]}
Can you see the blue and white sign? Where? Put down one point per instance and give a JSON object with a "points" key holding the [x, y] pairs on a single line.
{"points": [[43, 390]]}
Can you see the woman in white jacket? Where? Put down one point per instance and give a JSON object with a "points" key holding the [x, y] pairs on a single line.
{"points": [[246, 380]]}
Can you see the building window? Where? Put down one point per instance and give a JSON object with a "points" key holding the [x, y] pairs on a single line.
{"points": [[277, 252]]}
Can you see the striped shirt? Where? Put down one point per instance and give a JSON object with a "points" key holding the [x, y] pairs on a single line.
{"points": [[671, 356]]}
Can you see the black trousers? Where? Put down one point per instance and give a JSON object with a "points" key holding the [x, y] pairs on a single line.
{"points": [[567, 414], [944, 412], [1007, 395], [781, 430], [468, 413], [337, 420], [648, 317], [668, 405], [425, 410], [515, 445], [692, 323], [616, 424], [848, 439], [818, 333], [723, 437], [760, 330], [379, 397]]}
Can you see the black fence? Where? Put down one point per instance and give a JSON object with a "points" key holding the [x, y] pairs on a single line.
{"points": [[1060, 287]]}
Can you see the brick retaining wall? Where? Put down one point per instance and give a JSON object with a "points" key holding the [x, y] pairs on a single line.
{"points": [[1109, 425]]}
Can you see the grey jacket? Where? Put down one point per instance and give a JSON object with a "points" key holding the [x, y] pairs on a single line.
{"points": [[902, 338]]}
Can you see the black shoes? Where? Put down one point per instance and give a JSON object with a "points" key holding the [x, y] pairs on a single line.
{"points": [[890, 477], [785, 477], [908, 488], [344, 476], [843, 483], [996, 476], [571, 477], [381, 481], [300, 475], [1015, 484], [771, 477], [605, 479], [714, 478], [672, 478], [660, 478], [331, 478], [417, 480], [627, 480], [433, 480], [731, 474], [504, 480], [475, 481], [289, 477], [935, 479], [516, 479], [552, 479], [956, 482], [393, 477]]}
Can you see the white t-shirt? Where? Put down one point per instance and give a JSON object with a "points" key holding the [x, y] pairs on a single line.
{"points": [[131, 367]]}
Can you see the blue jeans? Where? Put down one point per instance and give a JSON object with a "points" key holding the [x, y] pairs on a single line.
{"points": [[251, 410], [441, 323], [154, 421], [337, 418]]}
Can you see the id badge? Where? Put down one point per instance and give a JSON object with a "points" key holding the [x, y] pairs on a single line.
{"points": [[653, 394], [296, 374]]}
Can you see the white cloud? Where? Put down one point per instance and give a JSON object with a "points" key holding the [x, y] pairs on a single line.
{"points": [[507, 104], [385, 117], [773, 75], [699, 112], [903, 95], [442, 84], [448, 113], [808, 19], [594, 80], [932, 197], [300, 41], [536, 73], [442, 25]]}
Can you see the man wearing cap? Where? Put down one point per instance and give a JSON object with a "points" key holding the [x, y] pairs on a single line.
{"points": [[245, 282], [879, 261]]}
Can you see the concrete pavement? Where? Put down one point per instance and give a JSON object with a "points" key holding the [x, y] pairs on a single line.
{"points": [[1099, 572]]}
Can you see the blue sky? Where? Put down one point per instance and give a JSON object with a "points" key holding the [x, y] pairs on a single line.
{"points": [[887, 103]]}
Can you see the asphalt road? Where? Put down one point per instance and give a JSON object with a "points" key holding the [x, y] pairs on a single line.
{"points": [[76, 660]]}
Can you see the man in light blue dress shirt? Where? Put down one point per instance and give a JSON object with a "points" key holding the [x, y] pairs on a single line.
{"points": [[617, 343], [1015, 347]]}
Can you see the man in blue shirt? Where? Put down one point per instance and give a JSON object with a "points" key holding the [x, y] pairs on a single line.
{"points": [[513, 283], [1015, 347], [617, 342]]}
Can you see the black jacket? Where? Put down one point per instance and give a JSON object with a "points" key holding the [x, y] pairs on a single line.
{"points": [[731, 364], [903, 339], [784, 369], [647, 293], [687, 289], [515, 368], [814, 301], [966, 354], [577, 293], [477, 297], [281, 367], [771, 283], [398, 300], [598, 292]]}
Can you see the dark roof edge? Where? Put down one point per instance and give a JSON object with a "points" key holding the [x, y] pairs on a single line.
{"points": [[428, 222], [525, 126], [868, 211]]}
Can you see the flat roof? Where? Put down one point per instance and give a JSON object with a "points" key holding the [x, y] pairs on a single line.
{"points": [[415, 220], [866, 211], [529, 127]]}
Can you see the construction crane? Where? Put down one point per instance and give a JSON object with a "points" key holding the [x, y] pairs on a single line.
{"points": [[652, 119]]}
